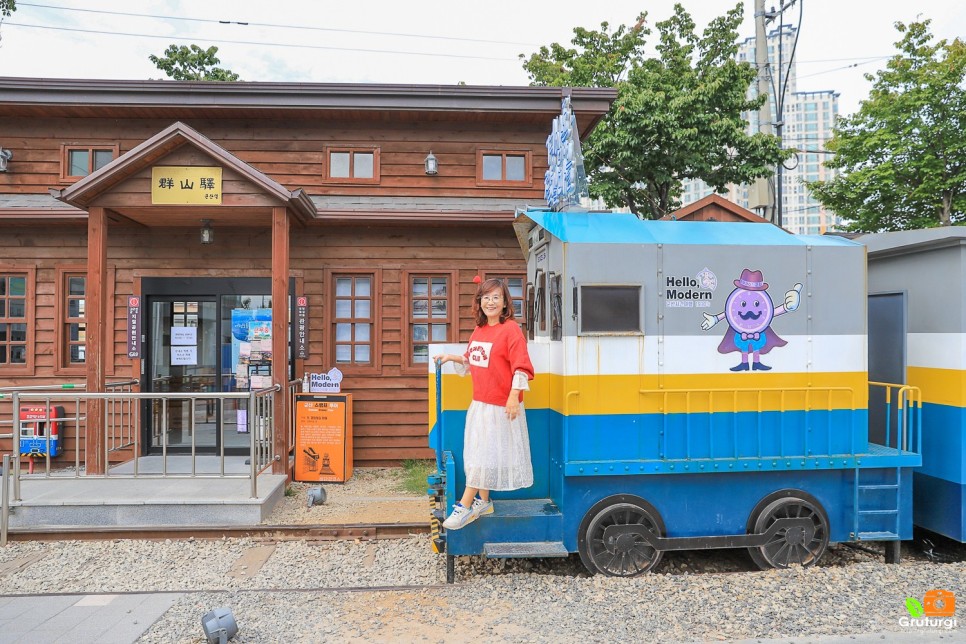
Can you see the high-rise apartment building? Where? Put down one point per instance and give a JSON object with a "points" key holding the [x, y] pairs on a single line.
{"points": [[808, 118]]}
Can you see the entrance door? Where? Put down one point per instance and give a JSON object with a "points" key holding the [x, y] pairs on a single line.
{"points": [[887, 359], [207, 334], [183, 358]]}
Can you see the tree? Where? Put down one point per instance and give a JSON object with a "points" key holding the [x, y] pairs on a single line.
{"points": [[677, 116], [192, 63], [7, 7], [902, 155]]}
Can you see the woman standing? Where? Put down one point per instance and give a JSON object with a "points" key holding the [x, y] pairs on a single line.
{"points": [[496, 444]]}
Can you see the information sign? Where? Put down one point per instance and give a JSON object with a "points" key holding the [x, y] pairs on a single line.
{"points": [[323, 437]]}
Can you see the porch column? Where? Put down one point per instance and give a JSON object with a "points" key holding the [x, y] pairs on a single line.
{"points": [[280, 324], [96, 354]]}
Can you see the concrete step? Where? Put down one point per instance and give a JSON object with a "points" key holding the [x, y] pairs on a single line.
{"points": [[149, 501]]}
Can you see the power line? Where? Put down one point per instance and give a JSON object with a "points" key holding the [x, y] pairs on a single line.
{"points": [[275, 26], [257, 43], [837, 69], [836, 60]]}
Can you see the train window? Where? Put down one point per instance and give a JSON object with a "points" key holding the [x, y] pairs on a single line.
{"points": [[539, 312], [530, 308], [556, 307], [610, 309]]}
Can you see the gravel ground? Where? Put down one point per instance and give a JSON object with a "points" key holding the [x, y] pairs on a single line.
{"points": [[371, 495], [394, 590]]}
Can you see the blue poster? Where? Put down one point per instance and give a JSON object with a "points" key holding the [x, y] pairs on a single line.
{"points": [[248, 340]]}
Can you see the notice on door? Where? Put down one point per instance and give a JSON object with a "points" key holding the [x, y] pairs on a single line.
{"points": [[184, 356], [323, 437]]}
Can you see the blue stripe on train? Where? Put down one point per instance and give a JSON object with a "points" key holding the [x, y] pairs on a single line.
{"points": [[944, 442]]}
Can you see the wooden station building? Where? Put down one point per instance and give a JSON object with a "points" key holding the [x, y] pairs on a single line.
{"points": [[377, 204]]}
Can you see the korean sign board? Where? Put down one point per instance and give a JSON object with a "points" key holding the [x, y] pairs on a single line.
{"points": [[323, 437], [301, 327], [133, 326], [180, 185]]}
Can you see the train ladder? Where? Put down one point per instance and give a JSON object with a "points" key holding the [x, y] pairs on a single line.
{"points": [[874, 496]]}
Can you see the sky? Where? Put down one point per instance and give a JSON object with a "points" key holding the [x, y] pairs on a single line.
{"points": [[427, 42]]}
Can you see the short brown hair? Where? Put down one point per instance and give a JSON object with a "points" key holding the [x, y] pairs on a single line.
{"points": [[486, 287]]}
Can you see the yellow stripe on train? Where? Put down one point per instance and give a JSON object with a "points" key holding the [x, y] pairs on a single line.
{"points": [[939, 386], [694, 393]]}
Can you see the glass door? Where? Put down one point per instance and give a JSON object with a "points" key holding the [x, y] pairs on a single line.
{"points": [[183, 358], [246, 359]]}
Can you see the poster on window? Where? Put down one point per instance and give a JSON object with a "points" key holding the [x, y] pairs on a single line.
{"points": [[184, 335], [185, 356], [251, 330]]}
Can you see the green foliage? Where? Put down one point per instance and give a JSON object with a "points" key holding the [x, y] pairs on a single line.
{"points": [[7, 7], [414, 475], [192, 63], [902, 155], [677, 116]]}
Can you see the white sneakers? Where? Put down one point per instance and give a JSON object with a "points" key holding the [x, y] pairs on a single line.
{"points": [[481, 507], [463, 516]]}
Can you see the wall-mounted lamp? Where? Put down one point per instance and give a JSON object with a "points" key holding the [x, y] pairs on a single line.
{"points": [[432, 165], [207, 233], [5, 155]]}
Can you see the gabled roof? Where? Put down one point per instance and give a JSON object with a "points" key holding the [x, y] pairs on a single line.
{"points": [[82, 193], [688, 212]]}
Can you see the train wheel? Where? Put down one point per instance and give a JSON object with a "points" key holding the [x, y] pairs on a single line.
{"points": [[795, 545], [626, 553]]}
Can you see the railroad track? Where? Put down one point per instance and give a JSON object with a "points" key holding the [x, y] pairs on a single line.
{"points": [[318, 532]]}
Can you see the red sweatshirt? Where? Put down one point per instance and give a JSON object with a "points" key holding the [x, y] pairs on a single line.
{"points": [[494, 354]]}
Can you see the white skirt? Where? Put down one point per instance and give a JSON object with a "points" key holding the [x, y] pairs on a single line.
{"points": [[496, 450]]}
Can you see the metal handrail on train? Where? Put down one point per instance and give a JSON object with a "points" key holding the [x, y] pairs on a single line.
{"points": [[908, 414], [760, 393], [260, 419]]}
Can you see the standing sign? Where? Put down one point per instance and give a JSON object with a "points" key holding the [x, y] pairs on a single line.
{"points": [[301, 327], [565, 181], [323, 437], [326, 383], [133, 326]]}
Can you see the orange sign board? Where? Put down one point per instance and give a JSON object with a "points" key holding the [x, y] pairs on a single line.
{"points": [[323, 437]]}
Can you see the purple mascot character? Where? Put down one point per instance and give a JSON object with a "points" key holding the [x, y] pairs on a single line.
{"points": [[749, 311]]}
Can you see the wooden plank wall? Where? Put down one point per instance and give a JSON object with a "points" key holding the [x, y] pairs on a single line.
{"points": [[391, 406], [292, 152]]}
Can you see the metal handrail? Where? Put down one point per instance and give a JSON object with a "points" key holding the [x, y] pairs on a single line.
{"points": [[908, 402], [760, 394], [260, 426], [64, 386]]}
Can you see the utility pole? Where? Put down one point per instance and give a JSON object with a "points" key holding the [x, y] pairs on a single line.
{"points": [[764, 188]]}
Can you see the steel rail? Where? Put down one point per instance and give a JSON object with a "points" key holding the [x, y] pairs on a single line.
{"points": [[313, 532]]}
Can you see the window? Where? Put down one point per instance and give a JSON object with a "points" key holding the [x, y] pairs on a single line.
{"points": [[431, 311], [352, 165], [15, 320], [78, 161], [496, 167], [74, 321], [354, 325], [610, 309]]}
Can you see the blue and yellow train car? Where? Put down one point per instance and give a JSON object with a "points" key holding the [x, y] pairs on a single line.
{"points": [[699, 385], [917, 333]]}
